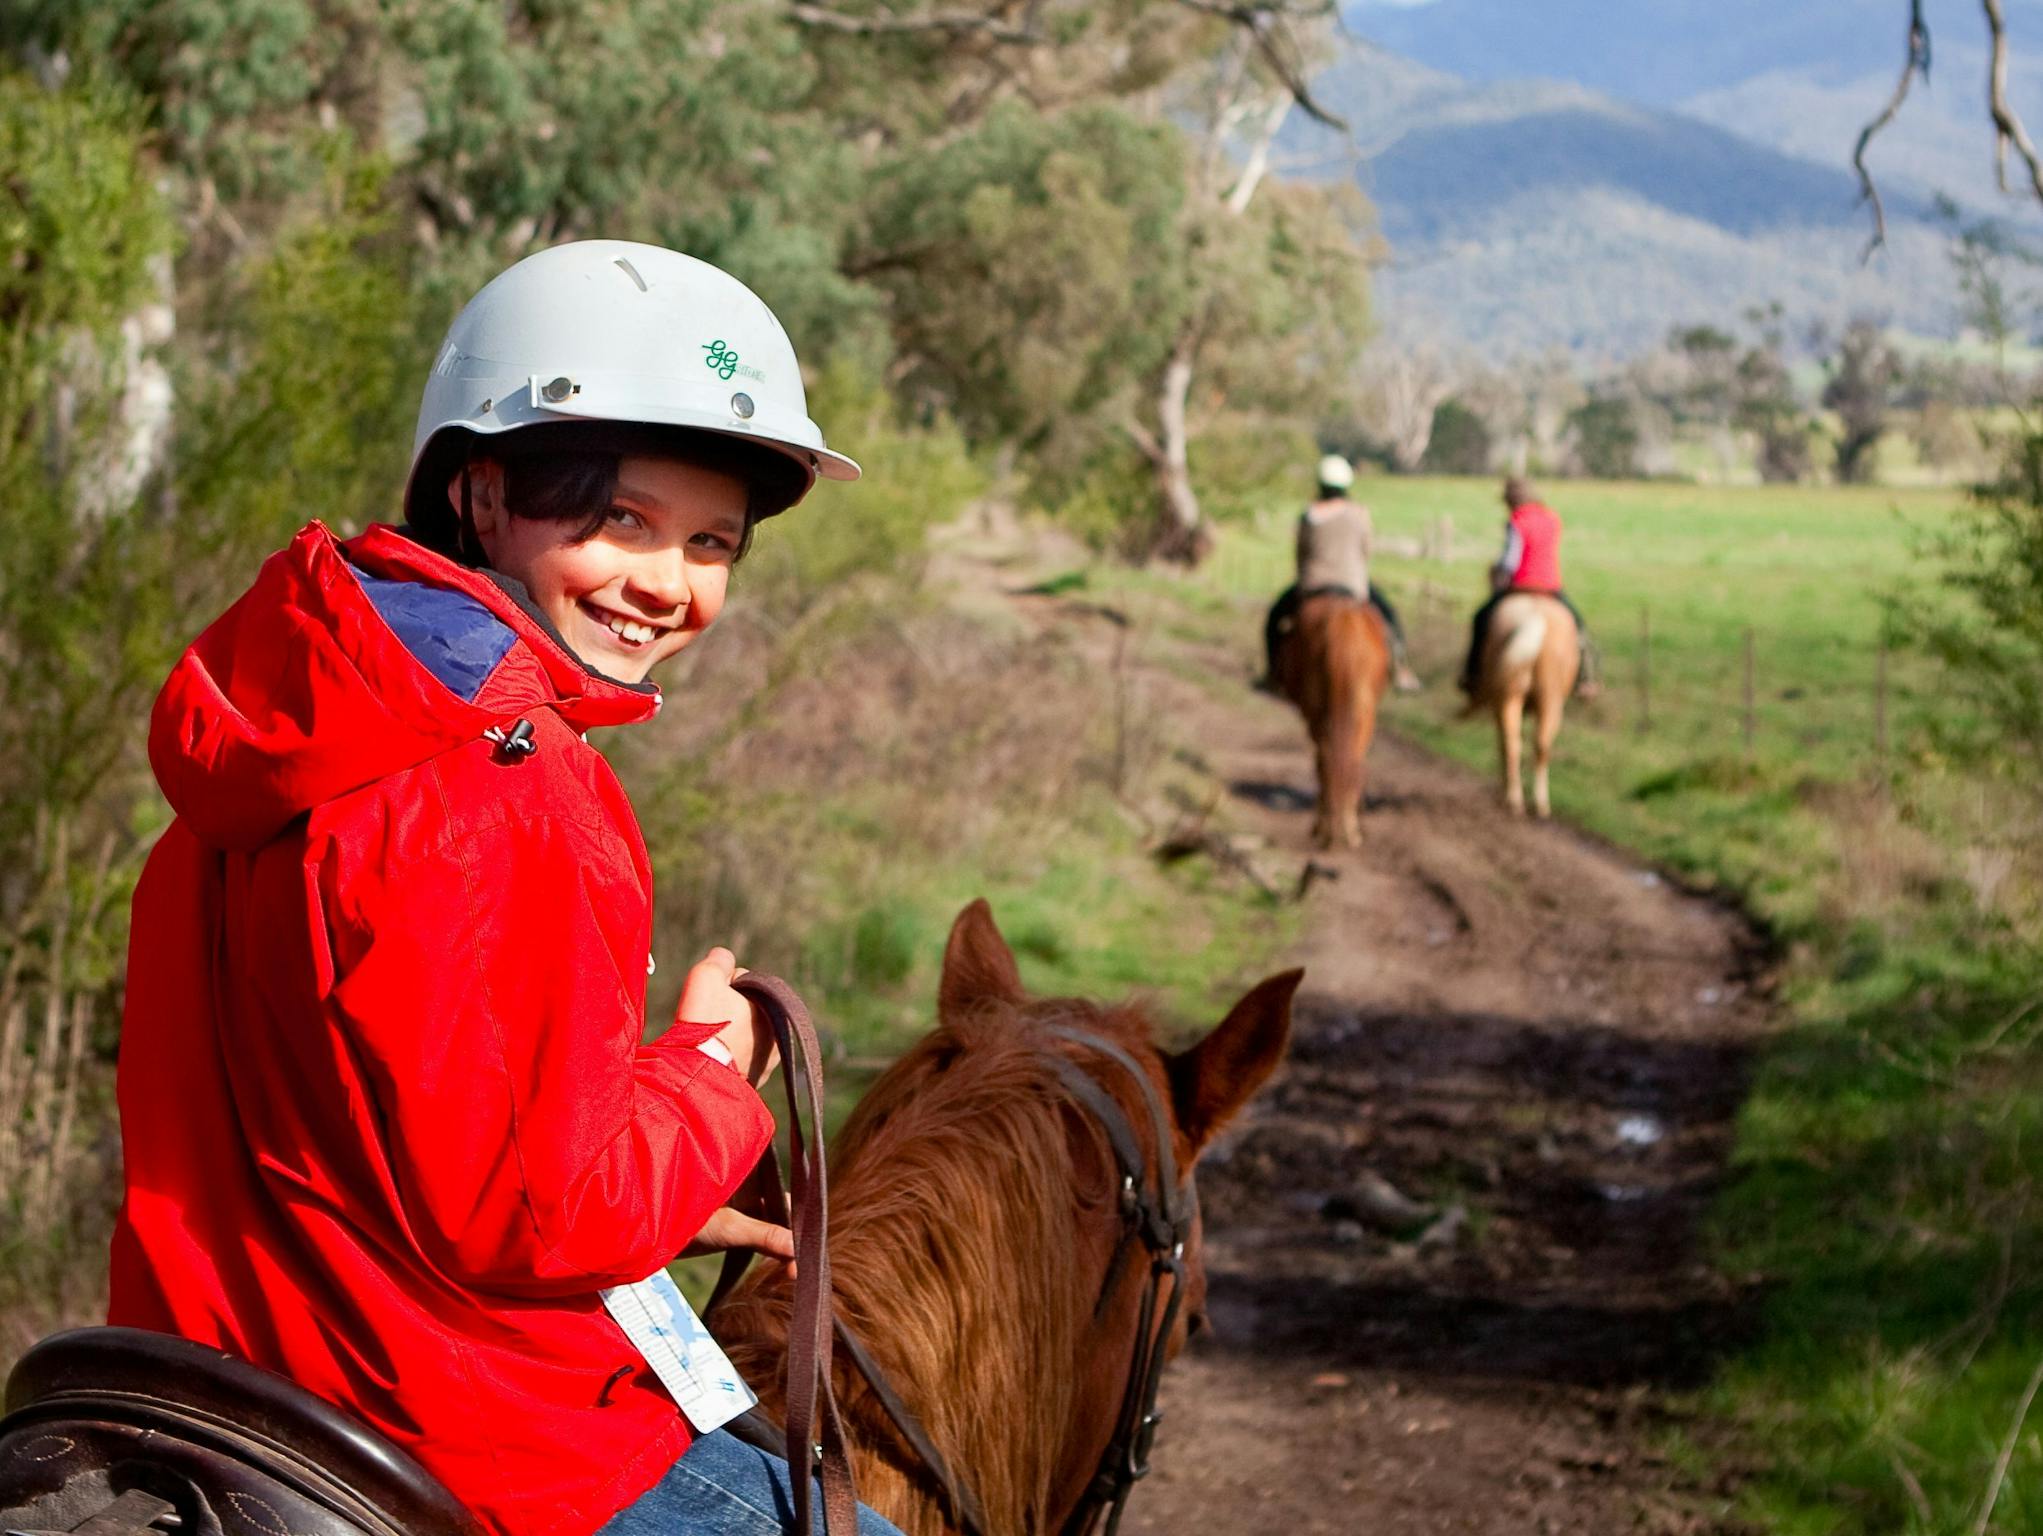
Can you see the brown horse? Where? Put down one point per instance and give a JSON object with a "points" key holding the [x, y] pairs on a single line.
{"points": [[1533, 652], [1334, 666], [974, 1229]]}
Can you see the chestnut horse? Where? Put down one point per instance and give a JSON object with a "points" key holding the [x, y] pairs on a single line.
{"points": [[1533, 652], [975, 1223], [1334, 666]]}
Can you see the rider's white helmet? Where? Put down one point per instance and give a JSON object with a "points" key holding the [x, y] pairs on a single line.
{"points": [[615, 331], [1336, 473]]}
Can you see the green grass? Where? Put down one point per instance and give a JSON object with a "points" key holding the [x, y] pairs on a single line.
{"points": [[1885, 1195], [1661, 762]]}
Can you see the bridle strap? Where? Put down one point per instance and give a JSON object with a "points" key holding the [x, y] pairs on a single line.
{"points": [[960, 1506], [812, 1409], [1128, 1158], [1162, 1217], [1168, 1188]]}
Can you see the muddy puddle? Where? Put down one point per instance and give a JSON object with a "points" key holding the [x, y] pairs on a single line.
{"points": [[1476, 1194]]}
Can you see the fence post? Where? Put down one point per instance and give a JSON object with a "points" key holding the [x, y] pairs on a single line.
{"points": [[1751, 723], [1645, 669]]}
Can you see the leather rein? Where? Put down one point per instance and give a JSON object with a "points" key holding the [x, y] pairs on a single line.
{"points": [[814, 1438], [1157, 1210]]}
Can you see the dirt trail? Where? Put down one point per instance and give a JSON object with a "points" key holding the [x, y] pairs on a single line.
{"points": [[1543, 1042]]}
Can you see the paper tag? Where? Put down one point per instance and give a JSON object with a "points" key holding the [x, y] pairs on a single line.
{"points": [[657, 1319]]}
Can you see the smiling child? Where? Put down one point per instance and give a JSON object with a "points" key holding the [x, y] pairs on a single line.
{"points": [[390, 1127]]}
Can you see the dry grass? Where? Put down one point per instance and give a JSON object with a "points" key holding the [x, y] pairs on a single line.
{"points": [[55, 1158], [908, 737]]}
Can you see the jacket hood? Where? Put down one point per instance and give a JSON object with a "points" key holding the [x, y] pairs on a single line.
{"points": [[346, 663]]}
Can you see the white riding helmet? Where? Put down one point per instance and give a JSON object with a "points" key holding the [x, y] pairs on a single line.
{"points": [[615, 331], [1336, 473]]}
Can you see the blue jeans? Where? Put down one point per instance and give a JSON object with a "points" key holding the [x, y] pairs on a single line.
{"points": [[724, 1487]]}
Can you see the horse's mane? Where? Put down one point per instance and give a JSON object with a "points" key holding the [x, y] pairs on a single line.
{"points": [[957, 1191]]}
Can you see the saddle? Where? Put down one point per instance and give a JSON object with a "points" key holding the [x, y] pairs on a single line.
{"points": [[118, 1432]]}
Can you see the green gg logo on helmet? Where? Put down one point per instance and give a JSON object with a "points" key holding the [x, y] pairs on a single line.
{"points": [[722, 360]]}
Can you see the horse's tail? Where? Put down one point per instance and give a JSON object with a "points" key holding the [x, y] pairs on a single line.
{"points": [[1353, 638], [1344, 693]]}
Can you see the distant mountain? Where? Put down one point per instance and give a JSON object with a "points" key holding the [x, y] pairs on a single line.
{"points": [[1661, 52], [1940, 142], [1523, 215], [1605, 276], [1442, 179], [1802, 77]]}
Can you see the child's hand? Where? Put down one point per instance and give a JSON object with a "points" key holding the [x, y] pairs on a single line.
{"points": [[728, 1227], [707, 997]]}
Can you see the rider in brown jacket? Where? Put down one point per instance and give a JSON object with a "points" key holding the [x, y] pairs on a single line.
{"points": [[1334, 539]]}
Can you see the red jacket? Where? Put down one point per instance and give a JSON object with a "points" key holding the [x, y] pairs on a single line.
{"points": [[1539, 537], [387, 1118]]}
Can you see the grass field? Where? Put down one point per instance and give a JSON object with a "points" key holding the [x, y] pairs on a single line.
{"points": [[1886, 1195], [1672, 579]]}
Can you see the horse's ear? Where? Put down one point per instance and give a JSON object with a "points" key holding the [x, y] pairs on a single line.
{"points": [[978, 967], [1215, 1078]]}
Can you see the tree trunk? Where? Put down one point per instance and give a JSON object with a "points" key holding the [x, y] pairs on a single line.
{"points": [[1182, 535]]}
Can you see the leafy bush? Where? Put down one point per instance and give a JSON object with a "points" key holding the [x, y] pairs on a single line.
{"points": [[1990, 631], [121, 538], [1606, 438], [1250, 464], [1460, 444], [876, 528], [83, 587]]}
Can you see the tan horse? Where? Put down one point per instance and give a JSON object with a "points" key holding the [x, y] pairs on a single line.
{"points": [[1533, 653], [1335, 666], [977, 1233]]}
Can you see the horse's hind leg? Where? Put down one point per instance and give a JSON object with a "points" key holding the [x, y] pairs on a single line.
{"points": [[1510, 722], [1354, 782], [1325, 817], [1551, 704], [1351, 808]]}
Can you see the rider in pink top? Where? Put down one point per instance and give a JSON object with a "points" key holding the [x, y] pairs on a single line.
{"points": [[1533, 535], [1531, 562]]}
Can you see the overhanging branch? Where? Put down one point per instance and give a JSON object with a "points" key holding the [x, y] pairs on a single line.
{"points": [[1274, 41], [1917, 62], [2007, 127]]}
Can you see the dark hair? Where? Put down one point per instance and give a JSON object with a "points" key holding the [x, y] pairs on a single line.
{"points": [[1518, 492], [566, 472]]}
